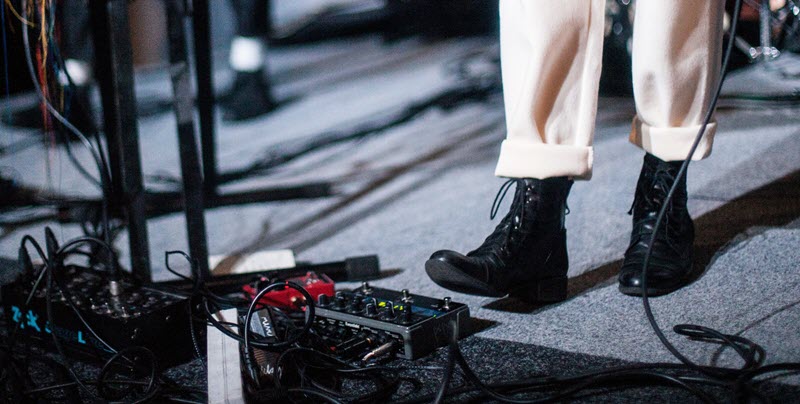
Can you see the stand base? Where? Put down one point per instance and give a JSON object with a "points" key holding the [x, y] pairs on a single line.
{"points": [[773, 80]]}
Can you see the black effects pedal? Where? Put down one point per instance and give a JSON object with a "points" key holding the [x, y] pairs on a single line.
{"points": [[138, 316], [369, 322]]}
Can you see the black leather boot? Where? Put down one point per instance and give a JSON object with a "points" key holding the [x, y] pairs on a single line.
{"points": [[525, 256], [671, 260]]}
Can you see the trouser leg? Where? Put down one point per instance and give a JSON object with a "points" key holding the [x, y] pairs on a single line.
{"points": [[677, 48], [551, 55]]}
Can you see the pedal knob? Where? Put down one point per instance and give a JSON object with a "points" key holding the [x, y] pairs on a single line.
{"points": [[407, 313], [365, 288], [323, 300], [406, 295], [388, 312], [341, 301], [355, 304], [372, 310], [446, 304]]}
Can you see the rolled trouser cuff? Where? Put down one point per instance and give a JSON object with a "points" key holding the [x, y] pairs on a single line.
{"points": [[521, 159], [672, 144]]}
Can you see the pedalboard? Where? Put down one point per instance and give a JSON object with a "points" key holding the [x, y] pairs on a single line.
{"points": [[369, 323], [138, 316]]}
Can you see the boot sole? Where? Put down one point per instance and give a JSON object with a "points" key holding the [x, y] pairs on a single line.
{"points": [[450, 278], [547, 290], [655, 292], [634, 291]]}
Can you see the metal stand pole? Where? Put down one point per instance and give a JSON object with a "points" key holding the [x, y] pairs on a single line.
{"points": [[194, 203], [766, 51], [201, 28], [114, 73]]}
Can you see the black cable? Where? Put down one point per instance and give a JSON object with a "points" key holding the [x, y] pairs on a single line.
{"points": [[192, 262], [448, 371], [196, 284], [746, 377], [309, 311], [151, 387], [662, 211], [58, 373], [99, 160], [330, 364]]}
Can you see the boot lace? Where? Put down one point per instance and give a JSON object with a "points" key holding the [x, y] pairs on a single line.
{"points": [[650, 198], [509, 225], [498, 199]]}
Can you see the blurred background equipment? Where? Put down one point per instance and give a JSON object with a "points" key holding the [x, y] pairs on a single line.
{"points": [[772, 72]]}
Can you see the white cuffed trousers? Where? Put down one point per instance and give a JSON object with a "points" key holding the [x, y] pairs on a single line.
{"points": [[551, 53]]}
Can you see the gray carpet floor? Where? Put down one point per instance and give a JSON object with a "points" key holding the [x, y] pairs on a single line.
{"points": [[428, 184]]}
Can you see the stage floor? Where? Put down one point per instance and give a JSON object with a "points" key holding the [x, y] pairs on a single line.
{"points": [[428, 184]]}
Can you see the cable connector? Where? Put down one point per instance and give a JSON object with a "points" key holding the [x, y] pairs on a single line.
{"points": [[379, 351]]}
